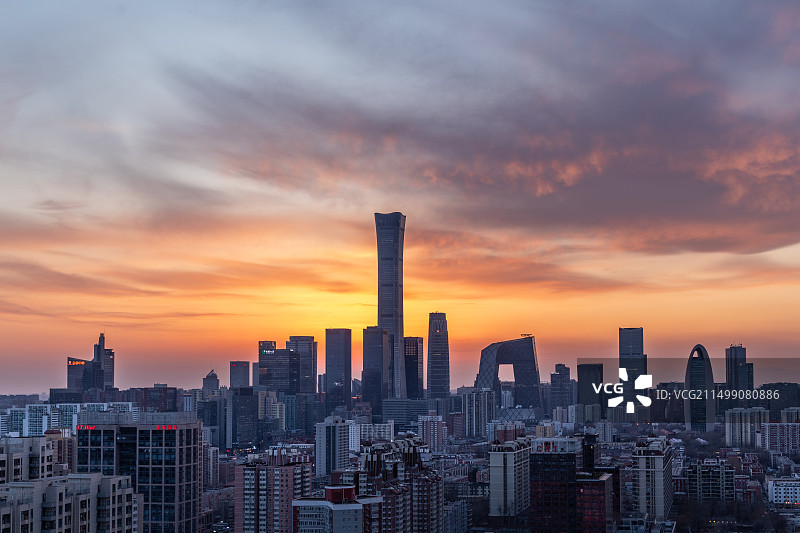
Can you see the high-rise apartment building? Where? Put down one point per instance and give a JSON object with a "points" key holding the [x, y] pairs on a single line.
{"points": [[25, 458], [509, 478], [652, 477], [742, 425], [375, 382], [433, 431], [265, 488], [710, 481], [338, 370], [332, 445], [438, 356], [339, 511], [75, 503], [240, 374], [306, 347], [390, 230], [161, 452], [414, 368], [479, 408]]}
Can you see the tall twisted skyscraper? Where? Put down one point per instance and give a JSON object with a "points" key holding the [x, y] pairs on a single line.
{"points": [[390, 229], [438, 357]]}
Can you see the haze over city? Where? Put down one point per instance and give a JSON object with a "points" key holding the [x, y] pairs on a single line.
{"points": [[192, 178]]}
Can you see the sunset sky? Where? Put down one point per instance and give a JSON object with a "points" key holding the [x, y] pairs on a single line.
{"points": [[193, 177]]}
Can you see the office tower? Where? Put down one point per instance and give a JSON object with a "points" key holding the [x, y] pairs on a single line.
{"points": [[652, 477], [560, 387], [553, 483], [741, 426], [414, 368], [479, 408], [105, 356], [244, 417], [594, 502], [332, 445], [738, 373], [521, 353], [589, 374], [338, 373], [278, 369], [265, 488], [438, 357], [699, 413], [375, 376], [710, 481], [161, 452], [210, 385], [632, 358], [509, 478], [77, 502], [306, 346], [265, 349], [84, 375], [390, 230], [433, 431], [75, 369], [240, 374]]}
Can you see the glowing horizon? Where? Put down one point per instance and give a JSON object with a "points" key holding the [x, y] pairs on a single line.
{"points": [[195, 178]]}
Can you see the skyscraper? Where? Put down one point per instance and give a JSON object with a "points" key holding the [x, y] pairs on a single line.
{"points": [[338, 372], [521, 353], [240, 374], [105, 356], [589, 374], [210, 385], [332, 451], [438, 357], [699, 412], [375, 376], [414, 368], [560, 387], [652, 478], [278, 368], [306, 346], [390, 231], [632, 357], [161, 452], [738, 372]]}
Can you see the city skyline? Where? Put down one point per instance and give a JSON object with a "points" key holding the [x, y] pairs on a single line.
{"points": [[226, 197]]}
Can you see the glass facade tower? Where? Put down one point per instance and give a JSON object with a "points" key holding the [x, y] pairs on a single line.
{"points": [[438, 357], [390, 230]]}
